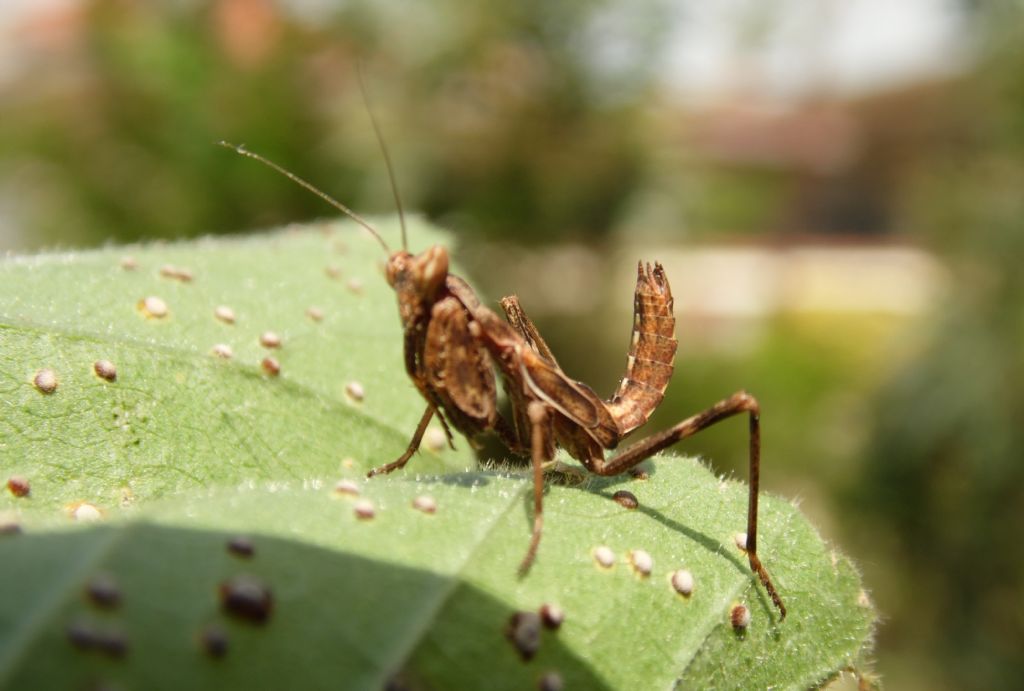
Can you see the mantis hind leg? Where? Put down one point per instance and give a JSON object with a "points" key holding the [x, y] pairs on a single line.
{"points": [[738, 403], [540, 432]]}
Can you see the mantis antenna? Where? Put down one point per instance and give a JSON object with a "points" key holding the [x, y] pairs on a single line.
{"points": [[384, 150], [240, 149]]}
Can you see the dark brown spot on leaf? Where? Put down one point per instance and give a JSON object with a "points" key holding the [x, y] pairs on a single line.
{"points": [[103, 591], [18, 485], [214, 640], [247, 598], [82, 635], [626, 499], [113, 643], [241, 546], [86, 636], [523, 632], [398, 682]]}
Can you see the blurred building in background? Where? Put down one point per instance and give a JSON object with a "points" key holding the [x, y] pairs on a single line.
{"points": [[833, 187]]}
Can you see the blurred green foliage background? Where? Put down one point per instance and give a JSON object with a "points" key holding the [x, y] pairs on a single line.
{"points": [[546, 136]]}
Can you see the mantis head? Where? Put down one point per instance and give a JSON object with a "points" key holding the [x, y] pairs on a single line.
{"points": [[417, 278]]}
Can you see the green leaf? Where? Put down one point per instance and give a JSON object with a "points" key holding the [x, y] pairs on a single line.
{"points": [[178, 416], [186, 450]]}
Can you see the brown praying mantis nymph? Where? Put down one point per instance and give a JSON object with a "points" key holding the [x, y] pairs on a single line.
{"points": [[453, 346]]}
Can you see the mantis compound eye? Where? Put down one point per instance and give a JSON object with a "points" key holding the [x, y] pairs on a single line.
{"points": [[398, 263]]}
